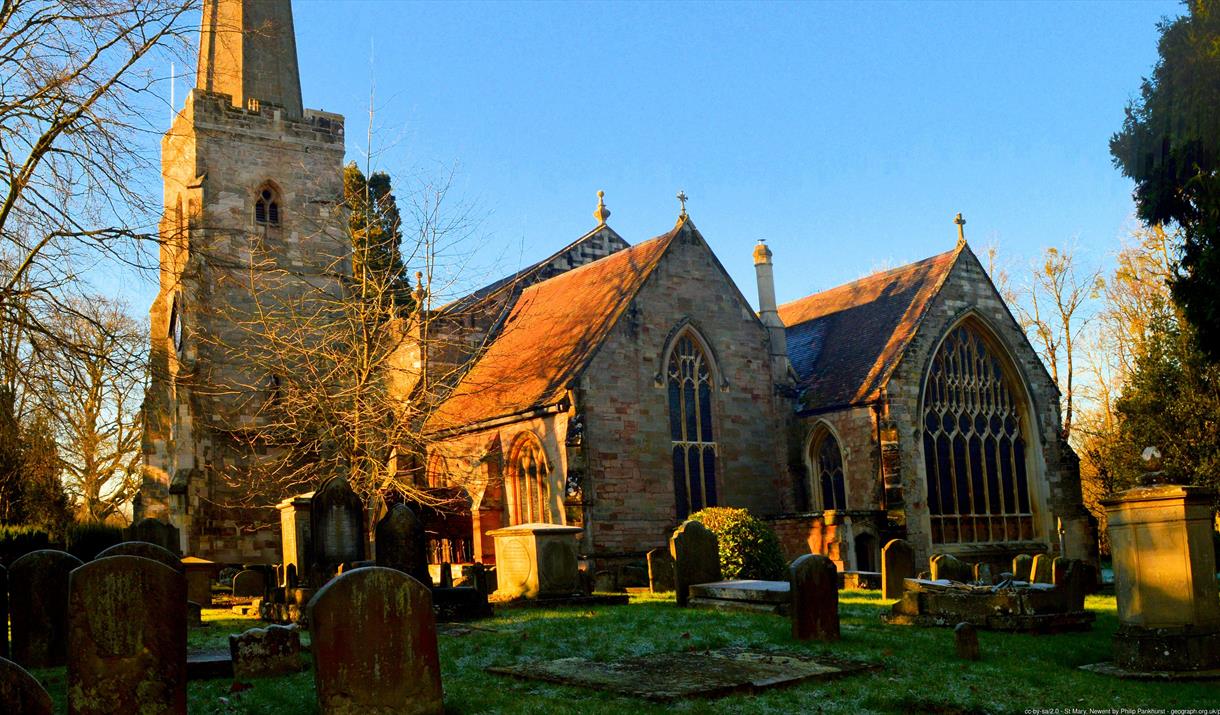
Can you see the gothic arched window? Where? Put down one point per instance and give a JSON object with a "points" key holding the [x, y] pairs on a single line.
{"points": [[267, 207], [689, 379], [974, 446], [528, 471], [438, 471], [826, 463]]}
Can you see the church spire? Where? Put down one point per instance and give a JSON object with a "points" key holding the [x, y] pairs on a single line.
{"points": [[247, 49]]}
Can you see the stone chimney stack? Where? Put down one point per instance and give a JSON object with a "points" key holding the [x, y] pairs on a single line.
{"points": [[767, 312], [247, 49]]}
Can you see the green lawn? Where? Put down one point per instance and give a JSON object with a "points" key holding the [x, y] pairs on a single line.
{"points": [[919, 671]]}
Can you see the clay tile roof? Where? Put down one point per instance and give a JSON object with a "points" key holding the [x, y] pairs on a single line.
{"points": [[845, 342], [552, 332]]}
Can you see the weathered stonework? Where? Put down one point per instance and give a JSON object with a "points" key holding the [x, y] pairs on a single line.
{"points": [[219, 153]]}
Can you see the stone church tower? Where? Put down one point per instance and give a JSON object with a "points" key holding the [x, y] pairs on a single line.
{"points": [[253, 194]]}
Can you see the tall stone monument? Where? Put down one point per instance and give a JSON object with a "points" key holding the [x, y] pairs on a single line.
{"points": [[1164, 579]]}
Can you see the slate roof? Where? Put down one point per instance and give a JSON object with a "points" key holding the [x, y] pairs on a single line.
{"points": [[554, 329], [844, 342]]}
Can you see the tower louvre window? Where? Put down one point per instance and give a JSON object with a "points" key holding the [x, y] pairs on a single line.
{"points": [[267, 208]]}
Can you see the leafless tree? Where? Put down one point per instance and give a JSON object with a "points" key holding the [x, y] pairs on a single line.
{"points": [[92, 394]]}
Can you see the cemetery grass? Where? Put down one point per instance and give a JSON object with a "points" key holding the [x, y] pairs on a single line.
{"points": [[918, 669]]}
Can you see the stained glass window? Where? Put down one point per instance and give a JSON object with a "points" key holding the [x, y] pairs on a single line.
{"points": [[527, 479], [690, 427], [974, 447]]}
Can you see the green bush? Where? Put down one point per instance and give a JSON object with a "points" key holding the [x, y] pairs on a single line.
{"points": [[86, 541], [749, 547], [17, 540]]}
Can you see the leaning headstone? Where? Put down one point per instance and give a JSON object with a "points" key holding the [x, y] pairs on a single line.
{"points": [[146, 550], [696, 554], [38, 607], [259, 652], [374, 645], [250, 584], [983, 574], [336, 517], [1022, 564], [155, 531], [815, 598], [950, 568], [21, 693], [402, 543], [127, 626], [660, 571], [966, 640], [1042, 570], [3, 612], [897, 565]]}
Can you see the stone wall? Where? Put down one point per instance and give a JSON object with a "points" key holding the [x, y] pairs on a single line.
{"points": [[622, 398]]}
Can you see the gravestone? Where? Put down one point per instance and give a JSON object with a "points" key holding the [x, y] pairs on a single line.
{"points": [[250, 584], [1042, 571], [1075, 577], [144, 549], [127, 626], [260, 652], [21, 693], [336, 517], [897, 565], [983, 574], [154, 531], [3, 612], [950, 568], [815, 598], [696, 554], [1022, 565], [534, 561], [447, 574], [966, 640], [296, 544], [402, 544], [374, 645], [660, 571], [199, 575], [38, 607], [194, 615]]}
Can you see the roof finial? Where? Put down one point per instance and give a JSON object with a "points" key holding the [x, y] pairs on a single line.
{"points": [[419, 289], [602, 213], [682, 200], [961, 229]]}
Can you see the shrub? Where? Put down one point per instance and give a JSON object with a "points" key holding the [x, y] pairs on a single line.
{"points": [[17, 540], [749, 547], [86, 541]]}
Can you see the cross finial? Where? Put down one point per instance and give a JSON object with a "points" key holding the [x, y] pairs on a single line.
{"points": [[682, 200], [961, 229], [601, 213]]}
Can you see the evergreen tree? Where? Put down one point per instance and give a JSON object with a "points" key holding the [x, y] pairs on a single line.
{"points": [[1170, 146], [46, 502], [11, 502], [375, 227], [1172, 401]]}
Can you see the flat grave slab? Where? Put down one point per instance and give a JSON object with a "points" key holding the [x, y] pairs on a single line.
{"points": [[671, 676], [745, 595], [1114, 670]]}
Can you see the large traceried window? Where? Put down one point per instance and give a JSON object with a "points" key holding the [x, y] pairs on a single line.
{"points": [[826, 463], [974, 447], [689, 379], [528, 471]]}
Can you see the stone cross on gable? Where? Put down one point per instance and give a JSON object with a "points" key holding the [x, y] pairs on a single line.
{"points": [[961, 229], [682, 200]]}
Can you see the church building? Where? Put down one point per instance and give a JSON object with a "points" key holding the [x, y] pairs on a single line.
{"points": [[614, 386]]}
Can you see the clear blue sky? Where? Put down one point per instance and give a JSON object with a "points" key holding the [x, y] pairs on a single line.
{"points": [[847, 135]]}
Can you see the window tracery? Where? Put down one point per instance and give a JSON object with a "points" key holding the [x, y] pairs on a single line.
{"points": [[974, 445], [689, 380], [267, 207], [527, 480], [826, 462]]}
